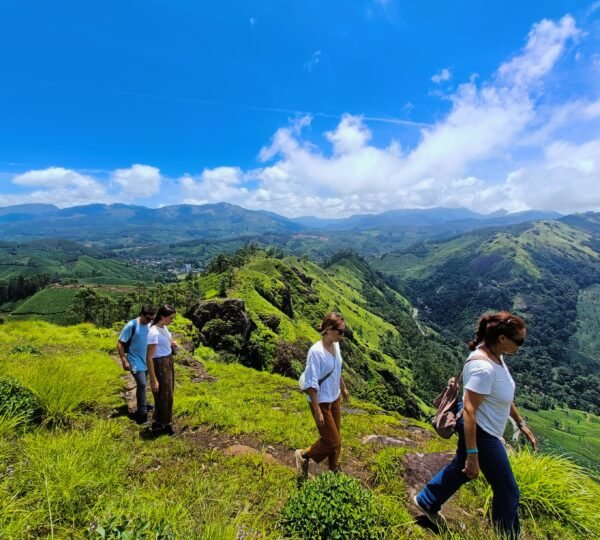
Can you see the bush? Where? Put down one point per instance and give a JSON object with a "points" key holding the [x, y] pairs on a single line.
{"points": [[333, 506], [20, 402]]}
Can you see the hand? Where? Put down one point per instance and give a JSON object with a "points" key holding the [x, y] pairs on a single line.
{"points": [[530, 437], [154, 385], [125, 364], [345, 394], [319, 418], [472, 466]]}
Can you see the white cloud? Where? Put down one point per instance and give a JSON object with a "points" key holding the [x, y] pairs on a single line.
{"points": [[488, 122], [444, 75], [214, 185], [138, 180], [309, 65]]}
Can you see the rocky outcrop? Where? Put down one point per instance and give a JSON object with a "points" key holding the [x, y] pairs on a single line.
{"points": [[223, 325]]}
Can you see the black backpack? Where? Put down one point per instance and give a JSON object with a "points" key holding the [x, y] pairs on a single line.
{"points": [[127, 344]]}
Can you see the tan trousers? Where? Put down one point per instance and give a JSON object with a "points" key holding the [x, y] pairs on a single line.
{"points": [[329, 444]]}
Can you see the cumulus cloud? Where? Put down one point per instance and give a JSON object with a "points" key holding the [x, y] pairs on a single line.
{"points": [[214, 185], [67, 187], [138, 180], [488, 122], [444, 75]]}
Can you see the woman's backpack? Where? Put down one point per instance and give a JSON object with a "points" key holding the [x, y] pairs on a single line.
{"points": [[446, 416]]}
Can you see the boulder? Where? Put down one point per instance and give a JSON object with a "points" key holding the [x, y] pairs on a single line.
{"points": [[382, 440], [420, 468]]}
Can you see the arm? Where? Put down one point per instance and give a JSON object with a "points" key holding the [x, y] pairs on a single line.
{"points": [[314, 405], [472, 402], [122, 356], [150, 365], [345, 394], [523, 428]]}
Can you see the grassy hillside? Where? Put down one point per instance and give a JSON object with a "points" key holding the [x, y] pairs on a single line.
{"points": [[84, 472], [51, 304], [389, 358], [62, 260], [570, 432], [547, 271]]}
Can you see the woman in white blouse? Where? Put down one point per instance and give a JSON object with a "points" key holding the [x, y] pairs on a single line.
{"points": [[159, 359], [324, 385]]}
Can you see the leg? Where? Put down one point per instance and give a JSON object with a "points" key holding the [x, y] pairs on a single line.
{"points": [[163, 399], [140, 392], [445, 483], [497, 471], [329, 440], [336, 414]]}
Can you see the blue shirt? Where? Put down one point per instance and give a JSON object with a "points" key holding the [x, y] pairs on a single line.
{"points": [[137, 348]]}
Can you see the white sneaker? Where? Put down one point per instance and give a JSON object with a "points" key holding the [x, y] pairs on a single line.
{"points": [[435, 517], [301, 463]]}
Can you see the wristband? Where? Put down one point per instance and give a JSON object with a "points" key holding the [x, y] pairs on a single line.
{"points": [[472, 451]]}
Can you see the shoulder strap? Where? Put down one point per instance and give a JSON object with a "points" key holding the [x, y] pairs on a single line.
{"points": [[475, 357], [321, 381]]}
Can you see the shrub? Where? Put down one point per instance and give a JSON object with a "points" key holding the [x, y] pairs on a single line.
{"points": [[25, 348], [333, 506], [18, 403]]}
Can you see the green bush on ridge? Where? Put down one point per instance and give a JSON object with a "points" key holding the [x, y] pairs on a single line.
{"points": [[333, 506]]}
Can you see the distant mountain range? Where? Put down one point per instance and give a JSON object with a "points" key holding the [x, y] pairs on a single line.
{"points": [[130, 225]]}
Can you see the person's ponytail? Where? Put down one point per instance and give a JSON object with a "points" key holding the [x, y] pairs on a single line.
{"points": [[480, 334]]}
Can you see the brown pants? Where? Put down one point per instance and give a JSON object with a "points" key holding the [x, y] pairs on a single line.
{"points": [[329, 444], [163, 399]]}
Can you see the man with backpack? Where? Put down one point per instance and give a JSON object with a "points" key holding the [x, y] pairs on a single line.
{"points": [[131, 347]]}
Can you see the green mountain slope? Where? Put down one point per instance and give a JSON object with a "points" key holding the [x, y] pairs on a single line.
{"points": [[546, 271], [386, 350], [62, 259]]}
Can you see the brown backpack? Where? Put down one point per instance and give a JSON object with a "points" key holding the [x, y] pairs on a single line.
{"points": [[445, 418]]}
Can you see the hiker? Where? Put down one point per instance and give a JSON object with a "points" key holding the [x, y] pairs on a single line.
{"points": [[324, 384], [487, 404], [131, 347], [159, 358]]}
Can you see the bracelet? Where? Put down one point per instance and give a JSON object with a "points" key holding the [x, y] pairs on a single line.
{"points": [[472, 451], [521, 424]]}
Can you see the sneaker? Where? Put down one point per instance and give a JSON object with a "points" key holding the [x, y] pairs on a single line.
{"points": [[301, 463], [435, 517], [140, 418]]}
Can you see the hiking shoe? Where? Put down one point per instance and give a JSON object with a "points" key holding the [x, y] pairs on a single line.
{"points": [[301, 463], [435, 517], [140, 418]]}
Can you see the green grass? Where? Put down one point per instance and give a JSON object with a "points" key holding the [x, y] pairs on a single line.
{"points": [[86, 473], [566, 431], [52, 303]]}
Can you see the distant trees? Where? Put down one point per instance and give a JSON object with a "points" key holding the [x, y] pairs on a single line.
{"points": [[19, 287]]}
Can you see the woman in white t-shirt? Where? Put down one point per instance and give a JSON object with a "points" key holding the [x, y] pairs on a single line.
{"points": [[325, 387], [487, 404], [159, 359]]}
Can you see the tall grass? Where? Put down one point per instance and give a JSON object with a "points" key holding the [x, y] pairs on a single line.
{"points": [[11, 423], [555, 488]]}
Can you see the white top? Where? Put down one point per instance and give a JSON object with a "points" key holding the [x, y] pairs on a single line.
{"points": [[495, 382], [161, 337], [319, 362]]}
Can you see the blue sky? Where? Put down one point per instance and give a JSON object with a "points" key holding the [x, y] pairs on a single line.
{"points": [[302, 107]]}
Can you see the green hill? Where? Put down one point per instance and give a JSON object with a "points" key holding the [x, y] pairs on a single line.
{"points": [[386, 351], [548, 271]]}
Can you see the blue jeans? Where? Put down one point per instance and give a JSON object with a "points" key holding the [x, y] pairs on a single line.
{"points": [[140, 392], [495, 466]]}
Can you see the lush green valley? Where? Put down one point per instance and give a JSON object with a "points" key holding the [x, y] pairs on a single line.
{"points": [[547, 271]]}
